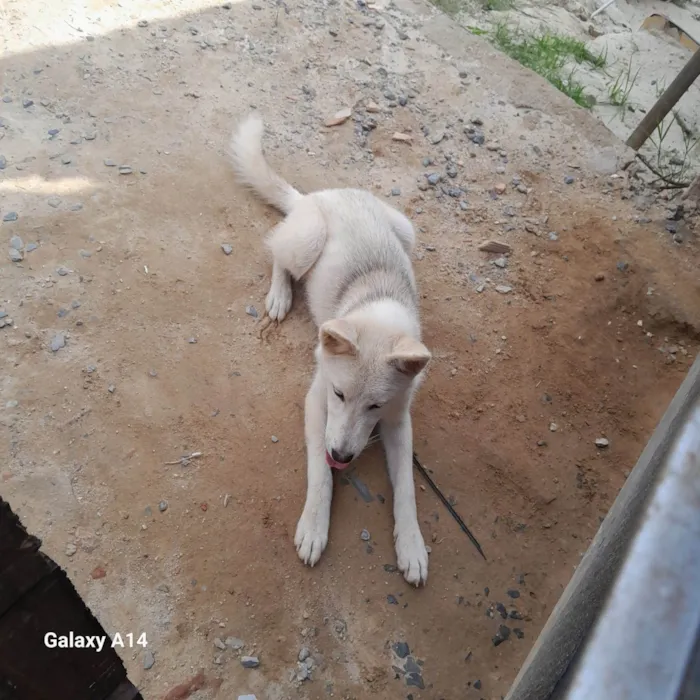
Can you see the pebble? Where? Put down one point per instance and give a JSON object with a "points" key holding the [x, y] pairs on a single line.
{"points": [[395, 192], [500, 262], [463, 206], [16, 243], [678, 238], [274, 439], [434, 178], [513, 593], [251, 311], [66, 160], [250, 661], [219, 644], [10, 216], [109, 163], [569, 180], [623, 266], [53, 132], [401, 649], [125, 170], [415, 680], [304, 654], [477, 685], [240, 697], [553, 427], [602, 442], [16, 255], [58, 342], [54, 202], [451, 170], [227, 248], [234, 643], [553, 236], [163, 506], [12, 403], [71, 549], [30, 247], [148, 660], [391, 599], [365, 536], [518, 633], [503, 289], [599, 277], [62, 271], [501, 636], [500, 188], [436, 138]]}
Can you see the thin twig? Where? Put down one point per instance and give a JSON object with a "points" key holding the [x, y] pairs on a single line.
{"points": [[185, 459], [447, 504], [672, 184]]}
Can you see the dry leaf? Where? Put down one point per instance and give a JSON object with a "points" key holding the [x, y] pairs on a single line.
{"points": [[339, 117]]}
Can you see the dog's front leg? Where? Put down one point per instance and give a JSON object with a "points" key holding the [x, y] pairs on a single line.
{"points": [[312, 531], [411, 554]]}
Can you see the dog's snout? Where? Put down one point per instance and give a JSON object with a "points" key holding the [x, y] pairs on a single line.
{"points": [[342, 457]]}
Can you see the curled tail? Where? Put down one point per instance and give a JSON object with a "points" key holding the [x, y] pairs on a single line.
{"points": [[253, 170]]}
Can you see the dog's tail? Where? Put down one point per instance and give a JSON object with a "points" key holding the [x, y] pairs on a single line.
{"points": [[253, 170]]}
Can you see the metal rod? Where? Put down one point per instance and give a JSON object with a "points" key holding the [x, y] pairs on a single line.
{"points": [[603, 7], [665, 103]]}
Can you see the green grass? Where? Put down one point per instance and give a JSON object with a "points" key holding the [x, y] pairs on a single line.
{"points": [[619, 91], [547, 54]]}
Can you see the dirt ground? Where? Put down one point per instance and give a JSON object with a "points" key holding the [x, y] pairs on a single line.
{"points": [[592, 339]]}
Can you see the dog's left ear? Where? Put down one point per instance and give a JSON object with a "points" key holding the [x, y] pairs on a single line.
{"points": [[409, 356]]}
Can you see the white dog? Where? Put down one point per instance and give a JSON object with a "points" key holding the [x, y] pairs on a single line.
{"points": [[353, 252]]}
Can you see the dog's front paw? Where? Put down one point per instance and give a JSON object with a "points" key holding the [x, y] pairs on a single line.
{"points": [[412, 556], [311, 537], [279, 300]]}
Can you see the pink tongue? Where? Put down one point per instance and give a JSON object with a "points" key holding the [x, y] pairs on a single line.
{"points": [[333, 464]]}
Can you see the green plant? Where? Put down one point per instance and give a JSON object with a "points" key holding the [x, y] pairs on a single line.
{"points": [[547, 54], [619, 91]]}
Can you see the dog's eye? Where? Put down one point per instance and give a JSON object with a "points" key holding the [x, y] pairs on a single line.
{"points": [[339, 394], [374, 407]]}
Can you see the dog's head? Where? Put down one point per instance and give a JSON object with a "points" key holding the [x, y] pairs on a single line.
{"points": [[369, 373]]}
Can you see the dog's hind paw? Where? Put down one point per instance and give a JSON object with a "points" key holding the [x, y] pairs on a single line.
{"points": [[311, 539], [412, 556]]}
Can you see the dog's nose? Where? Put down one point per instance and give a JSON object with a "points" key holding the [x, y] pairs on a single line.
{"points": [[341, 458]]}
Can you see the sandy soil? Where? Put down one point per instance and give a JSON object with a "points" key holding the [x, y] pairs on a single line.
{"points": [[595, 335]]}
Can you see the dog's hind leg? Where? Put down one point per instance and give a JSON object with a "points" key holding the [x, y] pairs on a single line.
{"points": [[402, 227], [296, 244]]}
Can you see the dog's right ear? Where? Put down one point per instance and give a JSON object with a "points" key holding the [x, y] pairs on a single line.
{"points": [[338, 337]]}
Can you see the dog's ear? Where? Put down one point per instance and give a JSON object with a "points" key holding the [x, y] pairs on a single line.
{"points": [[409, 356], [338, 337]]}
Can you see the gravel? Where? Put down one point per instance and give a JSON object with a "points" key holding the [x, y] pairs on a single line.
{"points": [[16, 243], [10, 216], [227, 248], [602, 442], [148, 660], [365, 536], [391, 599], [16, 255], [401, 649], [503, 635], [569, 180], [251, 311], [503, 289], [250, 661]]}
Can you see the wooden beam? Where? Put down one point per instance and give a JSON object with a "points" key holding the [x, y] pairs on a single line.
{"points": [[665, 103]]}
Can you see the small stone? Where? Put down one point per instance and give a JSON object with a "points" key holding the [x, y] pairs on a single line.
{"points": [[27, 103], [58, 342], [436, 138], [142, 23], [602, 442], [503, 289], [16, 243], [90, 136], [478, 138], [275, 439], [98, 572], [219, 644], [152, 373], [10, 216], [148, 659], [599, 276], [76, 207], [500, 262], [30, 247], [85, 254], [415, 680], [434, 178], [125, 170], [163, 506], [372, 107], [501, 636], [553, 236], [365, 536], [518, 633], [399, 136], [513, 593], [62, 271], [16, 255], [304, 654], [53, 132], [403, 100], [234, 643], [391, 599], [240, 697], [109, 163], [54, 202], [71, 549], [463, 205], [495, 247], [454, 192], [451, 170], [401, 649], [3, 162], [477, 685], [12, 403], [678, 238], [500, 188], [251, 311], [395, 192], [339, 117], [227, 248], [66, 160], [569, 180], [553, 427], [476, 121], [250, 661]]}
